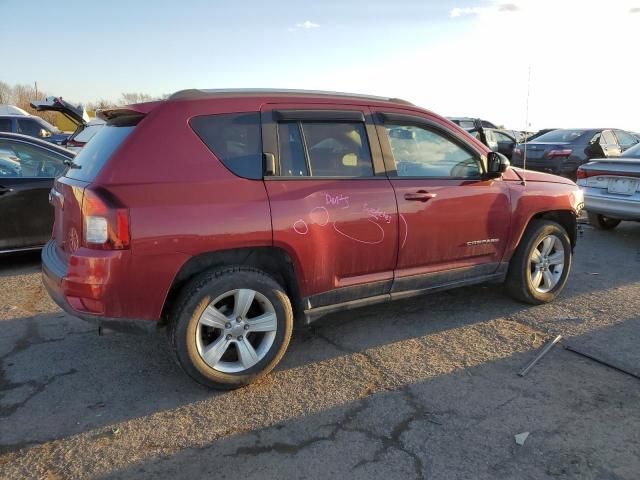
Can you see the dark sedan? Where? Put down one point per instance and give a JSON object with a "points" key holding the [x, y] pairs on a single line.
{"points": [[562, 151], [28, 167]]}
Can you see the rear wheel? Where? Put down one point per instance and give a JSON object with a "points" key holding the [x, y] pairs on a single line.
{"points": [[231, 327], [540, 265], [601, 222]]}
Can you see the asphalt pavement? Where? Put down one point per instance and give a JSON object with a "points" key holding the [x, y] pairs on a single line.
{"points": [[421, 388]]}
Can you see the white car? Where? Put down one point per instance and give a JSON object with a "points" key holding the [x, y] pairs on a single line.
{"points": [[612, 189]]}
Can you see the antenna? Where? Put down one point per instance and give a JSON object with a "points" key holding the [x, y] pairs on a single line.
{"points": [[526, 119]]}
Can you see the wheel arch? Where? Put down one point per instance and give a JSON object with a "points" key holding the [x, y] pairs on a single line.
{"points": [[274, 261]]}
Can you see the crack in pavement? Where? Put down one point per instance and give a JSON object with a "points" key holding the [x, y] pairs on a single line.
{"points": [[387, 442]]}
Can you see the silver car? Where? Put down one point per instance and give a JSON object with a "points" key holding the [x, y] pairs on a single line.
{"points": [[612, 189]]}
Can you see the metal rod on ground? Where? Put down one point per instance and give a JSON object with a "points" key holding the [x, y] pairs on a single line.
{"points": [[601, 361], [542, 353]]}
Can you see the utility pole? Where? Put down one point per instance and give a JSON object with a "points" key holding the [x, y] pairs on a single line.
{"points": [[35, 84]]}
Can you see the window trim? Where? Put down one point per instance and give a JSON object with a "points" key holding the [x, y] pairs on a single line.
{"points": [[385, 118], [270, 144]]}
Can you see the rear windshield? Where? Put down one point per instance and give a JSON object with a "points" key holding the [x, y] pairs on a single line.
{"points": [[560, 136], [88, 132], [95, 154]]}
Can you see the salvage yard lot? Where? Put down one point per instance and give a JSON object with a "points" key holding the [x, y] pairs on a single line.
{"points": [[426, 388]]}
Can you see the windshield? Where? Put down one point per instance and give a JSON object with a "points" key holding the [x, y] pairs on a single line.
{"points": [[560, 136], [87, 134], [97, 152], [633, 152]]}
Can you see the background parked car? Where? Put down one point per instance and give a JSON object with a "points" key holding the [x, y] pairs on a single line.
{"points": [[468, 122], [28, 167], [562, 151], [85, 128], [612, 189], [16, 120]]}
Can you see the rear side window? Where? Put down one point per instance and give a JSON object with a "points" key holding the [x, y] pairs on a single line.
{"points": [[5, 124], [235, 139], [324, 149], [97, 152]]}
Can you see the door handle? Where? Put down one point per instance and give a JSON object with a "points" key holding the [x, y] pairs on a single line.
{"points": [[4, 190], [419, 196]]}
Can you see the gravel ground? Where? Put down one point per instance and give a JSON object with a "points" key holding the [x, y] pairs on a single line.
{"points": [[422, 388]]}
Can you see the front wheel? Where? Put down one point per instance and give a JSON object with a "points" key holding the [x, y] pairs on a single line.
{"points": [[540, 265], [601, 222], [231, 327]]}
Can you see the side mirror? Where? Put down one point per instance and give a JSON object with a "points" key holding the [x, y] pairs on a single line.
{"points": [[497, 164], [44, 133]]}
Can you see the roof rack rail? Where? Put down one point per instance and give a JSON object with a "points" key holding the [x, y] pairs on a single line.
{"points": [[194, 93]]}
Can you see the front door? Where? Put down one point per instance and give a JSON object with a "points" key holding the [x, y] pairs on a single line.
{"points": [[454, 222], [26, 177], [333, 208]]}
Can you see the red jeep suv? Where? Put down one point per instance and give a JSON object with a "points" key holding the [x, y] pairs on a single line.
{"points": [[228, 215]]}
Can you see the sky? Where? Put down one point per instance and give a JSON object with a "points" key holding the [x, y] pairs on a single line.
{"points": [[573, 63]]}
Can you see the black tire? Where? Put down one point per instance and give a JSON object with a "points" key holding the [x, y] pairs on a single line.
{"points": [[196, 297], [519, 277], [601, 222]]}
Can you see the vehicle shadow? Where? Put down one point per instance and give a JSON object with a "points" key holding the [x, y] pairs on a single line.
{"points": [[454, 417], [117, 377]]}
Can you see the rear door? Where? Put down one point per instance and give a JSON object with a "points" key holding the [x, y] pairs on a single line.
{"points": [[27, 217], [333, 208], [609, 144], [454, 222]]}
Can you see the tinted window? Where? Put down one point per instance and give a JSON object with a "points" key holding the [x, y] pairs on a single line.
{"points": [[561, 136], [419, 152], [608, 138], [5, 124], [292, 159], [95, 154], [19, 159], [626, 139], [235, 139], [338, 149], [87, 133], [29, 127], [334, 149]]}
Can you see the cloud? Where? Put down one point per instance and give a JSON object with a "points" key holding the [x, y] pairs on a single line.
{"points": [[475, 11], [306, 25], [464, 12], [508, 7], [634, 10]]}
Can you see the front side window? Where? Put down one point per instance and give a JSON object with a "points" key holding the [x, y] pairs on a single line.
{"points": [[22, 160], [29, 127], [235, 139], [625, 139], [419, 152], [5, 124], [324, 149]]}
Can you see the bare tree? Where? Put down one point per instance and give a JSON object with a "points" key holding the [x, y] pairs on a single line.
{"points": [[22, 95], [6, 93], [135, 97]]}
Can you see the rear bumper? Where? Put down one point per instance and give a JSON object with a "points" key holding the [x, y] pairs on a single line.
{"points": [[78, 291], [614, 207]]}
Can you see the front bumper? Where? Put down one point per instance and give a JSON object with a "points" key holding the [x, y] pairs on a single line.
{"points": [[77, 297]]}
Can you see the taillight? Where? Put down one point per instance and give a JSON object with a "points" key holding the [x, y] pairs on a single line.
{"points": [[106, 225], [581, 174], [559, 153]]}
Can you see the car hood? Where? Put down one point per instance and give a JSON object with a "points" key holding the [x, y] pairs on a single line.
{"points": [[76, 113], [533, 176]]}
